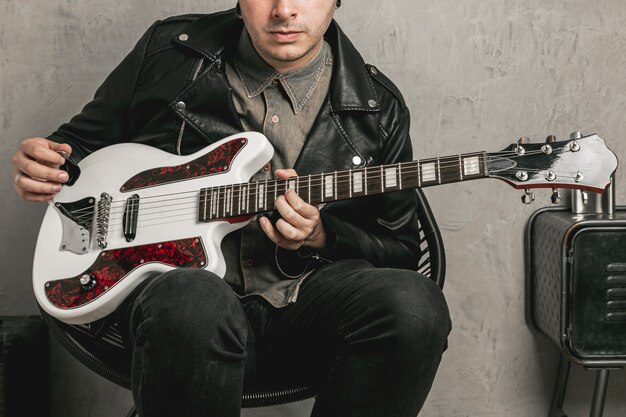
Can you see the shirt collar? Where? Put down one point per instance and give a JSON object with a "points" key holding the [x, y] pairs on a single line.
{"points": [[256, 75]]}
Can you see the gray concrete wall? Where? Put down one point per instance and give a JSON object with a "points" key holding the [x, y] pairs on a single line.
{"points": [[477, 74]]}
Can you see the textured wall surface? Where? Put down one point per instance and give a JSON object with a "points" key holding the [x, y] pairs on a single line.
{"points": [[477, 75]]}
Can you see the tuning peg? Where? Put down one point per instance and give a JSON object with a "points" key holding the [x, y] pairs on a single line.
{"points": [[556, 196], [585, 197], [551, 139], [528, 196], [575, 135], [519, 149]]}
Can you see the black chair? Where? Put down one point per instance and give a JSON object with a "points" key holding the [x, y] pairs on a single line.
{"points": [[100, 346]]}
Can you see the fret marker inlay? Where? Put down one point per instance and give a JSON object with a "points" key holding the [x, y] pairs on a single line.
{"points": [[357, 182], [428, 172], [328, 186], [391, 178], [471, 166]]}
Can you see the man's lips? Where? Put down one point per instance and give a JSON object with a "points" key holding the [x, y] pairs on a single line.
{"points": [[285, 36]]}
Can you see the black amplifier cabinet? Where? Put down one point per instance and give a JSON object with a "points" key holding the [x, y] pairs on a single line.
{"points": [[576, 283], [24, 367]]}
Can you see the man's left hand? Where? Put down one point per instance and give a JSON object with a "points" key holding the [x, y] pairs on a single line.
{"points": [[300, 224]]}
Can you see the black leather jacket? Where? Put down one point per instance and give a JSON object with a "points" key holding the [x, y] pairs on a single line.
{"points": [[176, 74]]}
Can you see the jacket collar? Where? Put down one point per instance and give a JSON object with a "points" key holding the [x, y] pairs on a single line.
{"points": [[351, 88]]}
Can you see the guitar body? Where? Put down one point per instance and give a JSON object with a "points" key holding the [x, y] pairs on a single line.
{"points": [[84, 268]]}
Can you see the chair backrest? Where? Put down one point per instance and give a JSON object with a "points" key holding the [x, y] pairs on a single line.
{"points": [[101, 348]]}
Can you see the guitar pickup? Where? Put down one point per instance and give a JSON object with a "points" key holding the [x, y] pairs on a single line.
{"points": [[131, 214]]}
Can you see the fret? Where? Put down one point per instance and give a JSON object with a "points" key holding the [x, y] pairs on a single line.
{"points": [[223, 200], [372, 178], [229, 200], [236, 204], [419, 175], [382, 183], [303, 188], [275, 182], [253, 190], [202, 205], [226, 199], [460, 168], [365, 179], [214, 197], [283, 187], [343, 185], [350, 182], [270, 194], [309, 189], [316, 192], [449, 170], [400, 175], [439, 170]]}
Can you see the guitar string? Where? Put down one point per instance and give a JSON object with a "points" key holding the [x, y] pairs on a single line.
{"points": [[251, 199], [192, 212], [318, 180], [234, 198], [444, 162]]}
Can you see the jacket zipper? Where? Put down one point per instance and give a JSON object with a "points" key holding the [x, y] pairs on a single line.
{"points": [[179, 142]]}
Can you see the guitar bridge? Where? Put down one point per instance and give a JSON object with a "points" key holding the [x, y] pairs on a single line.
{"points": [[102, 221], [77, 220]]}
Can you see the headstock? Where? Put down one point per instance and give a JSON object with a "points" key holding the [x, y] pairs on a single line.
{"points": [[582, 162]]}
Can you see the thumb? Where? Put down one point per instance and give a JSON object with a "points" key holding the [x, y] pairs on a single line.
{"points": [[285, 173], [60, 147]]}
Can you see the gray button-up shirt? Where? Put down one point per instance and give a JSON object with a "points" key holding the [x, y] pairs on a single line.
{"points": [[284, 108]]}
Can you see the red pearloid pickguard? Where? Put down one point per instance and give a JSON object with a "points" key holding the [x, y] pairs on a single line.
{"points": [[113, 266], [217, 161]]}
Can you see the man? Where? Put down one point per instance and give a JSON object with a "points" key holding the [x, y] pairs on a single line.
{"points": [[357, 320]]}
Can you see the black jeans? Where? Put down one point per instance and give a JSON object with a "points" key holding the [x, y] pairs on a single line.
{"points": [[370, 338]]}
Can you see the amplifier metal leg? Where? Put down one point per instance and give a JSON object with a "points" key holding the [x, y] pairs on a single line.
{"points": [[556, 408], [599, 394]]}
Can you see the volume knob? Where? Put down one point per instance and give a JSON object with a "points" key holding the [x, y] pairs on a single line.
{"points": [[87, 282]]}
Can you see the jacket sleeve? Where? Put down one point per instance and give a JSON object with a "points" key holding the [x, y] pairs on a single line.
{"points": [[105, 119], [386, 232]]}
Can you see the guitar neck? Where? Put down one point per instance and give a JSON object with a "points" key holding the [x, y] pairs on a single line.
{"points": [[254, 197]]}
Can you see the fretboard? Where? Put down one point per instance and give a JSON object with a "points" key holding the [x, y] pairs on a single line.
{"points": [[259, 196]]}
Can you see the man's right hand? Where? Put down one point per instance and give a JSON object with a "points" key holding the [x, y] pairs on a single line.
{"points": [[36, 175]]}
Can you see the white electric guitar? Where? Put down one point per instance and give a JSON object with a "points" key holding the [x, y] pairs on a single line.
{"points": [[135, 211]]}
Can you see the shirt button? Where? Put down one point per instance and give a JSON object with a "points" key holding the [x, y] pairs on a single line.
{"points": [[183, 37], [372, 103], [267, 167], [249, 261], [275, 119], [181, 106]]}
